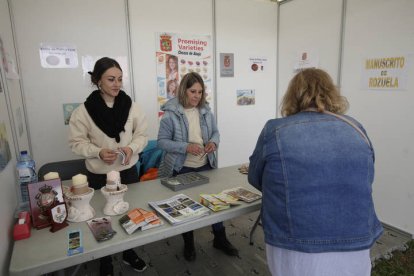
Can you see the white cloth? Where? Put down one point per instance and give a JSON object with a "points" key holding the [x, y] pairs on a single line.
{"points": [[194, 137], [284, 262]]}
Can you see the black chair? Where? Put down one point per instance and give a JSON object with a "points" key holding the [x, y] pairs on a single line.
{"points": [[66, 169]]}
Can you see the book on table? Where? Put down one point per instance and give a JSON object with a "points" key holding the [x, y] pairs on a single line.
{"points": [[139, 218], [243, 194], [179, 209], [218, 202], [213, 203]]}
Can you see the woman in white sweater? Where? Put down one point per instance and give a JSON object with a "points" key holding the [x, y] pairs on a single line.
{"points": [[107, 123]]}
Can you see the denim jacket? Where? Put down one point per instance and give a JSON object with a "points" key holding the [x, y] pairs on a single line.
{"points": [[315, 172], [173, 136]]}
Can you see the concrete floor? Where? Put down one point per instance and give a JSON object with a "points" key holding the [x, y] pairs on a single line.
{"points": [[164, 258]]}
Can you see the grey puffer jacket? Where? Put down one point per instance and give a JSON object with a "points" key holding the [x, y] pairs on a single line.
{"points": [[173, 136]]}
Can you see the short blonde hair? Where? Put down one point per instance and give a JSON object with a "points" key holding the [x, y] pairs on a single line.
{"points": [[186, 82], [313, 88]]}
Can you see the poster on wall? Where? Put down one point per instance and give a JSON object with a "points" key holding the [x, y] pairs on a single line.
{"points": [[177, 55], [306, 59], [8, 63], [246, 97], [385, 73], [67, 111], [58, 55], [5, 153], [226, 65]]}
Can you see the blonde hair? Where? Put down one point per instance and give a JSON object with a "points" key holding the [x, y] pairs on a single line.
{"points": [[187, 81], [313, 88]]}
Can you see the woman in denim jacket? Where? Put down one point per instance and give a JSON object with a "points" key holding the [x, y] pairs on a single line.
{"points": [[189, 136], [315, 171]]}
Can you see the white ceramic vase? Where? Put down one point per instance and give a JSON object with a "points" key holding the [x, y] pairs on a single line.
{"points": [[115, 204], [79, 208]]}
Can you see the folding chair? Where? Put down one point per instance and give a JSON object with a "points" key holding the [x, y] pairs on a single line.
{"points": [[65, 169]]}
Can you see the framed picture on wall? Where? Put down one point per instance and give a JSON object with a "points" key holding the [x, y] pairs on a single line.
{"points": [[44, 195]]}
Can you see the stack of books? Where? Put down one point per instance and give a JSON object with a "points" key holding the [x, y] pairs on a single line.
{"points": [[139, 218], [218, 202]]}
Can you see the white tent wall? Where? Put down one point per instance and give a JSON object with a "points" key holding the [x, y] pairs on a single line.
{"points": [[81, 24], [95, 29], [372, 29], [247, 29], [375, 29], [148, 17], [308, 26], [10, 102]]}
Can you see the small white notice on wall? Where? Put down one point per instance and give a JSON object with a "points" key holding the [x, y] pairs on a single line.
{"points": [[306, 59], [258, 64], [385, 73], [58, 55]]}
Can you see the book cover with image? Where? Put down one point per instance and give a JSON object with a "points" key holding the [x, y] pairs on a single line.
{"points": [[243, 194], [139, 218], [101, 228]]}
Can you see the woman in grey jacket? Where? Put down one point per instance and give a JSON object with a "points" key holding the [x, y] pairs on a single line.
{"points": [[189, 136]]}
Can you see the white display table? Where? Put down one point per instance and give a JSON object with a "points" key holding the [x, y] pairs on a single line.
{"points": [[45, 252]]}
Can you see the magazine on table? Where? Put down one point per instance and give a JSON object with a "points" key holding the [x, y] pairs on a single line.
{"points": [[243, 194], [179, 209]]}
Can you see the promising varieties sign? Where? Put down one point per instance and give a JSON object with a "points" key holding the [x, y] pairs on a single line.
{"points": [[177, 55], [385, 73]]}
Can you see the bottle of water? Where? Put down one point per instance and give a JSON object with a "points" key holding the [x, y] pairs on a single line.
{"points": [[26, 173]]}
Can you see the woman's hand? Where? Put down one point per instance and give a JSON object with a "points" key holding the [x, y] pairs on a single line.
{"points": [[128, 154], [195, 149], [108, 156], [210, 147]]}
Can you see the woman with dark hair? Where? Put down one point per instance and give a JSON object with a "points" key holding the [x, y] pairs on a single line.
{"points": [[106, 123], [189, 136], [315, 168]]}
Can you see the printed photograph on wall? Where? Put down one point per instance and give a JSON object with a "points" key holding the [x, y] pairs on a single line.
{"points": [[5, 153], [177, 55], [67, 111], [226, 65], [245, 97]]}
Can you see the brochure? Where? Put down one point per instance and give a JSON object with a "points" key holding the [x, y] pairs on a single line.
{"points": [[179, 209], [243, 194], [101, 228]]}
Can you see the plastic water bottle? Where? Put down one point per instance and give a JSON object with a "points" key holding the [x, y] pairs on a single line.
{"points": [[26, 173]]}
